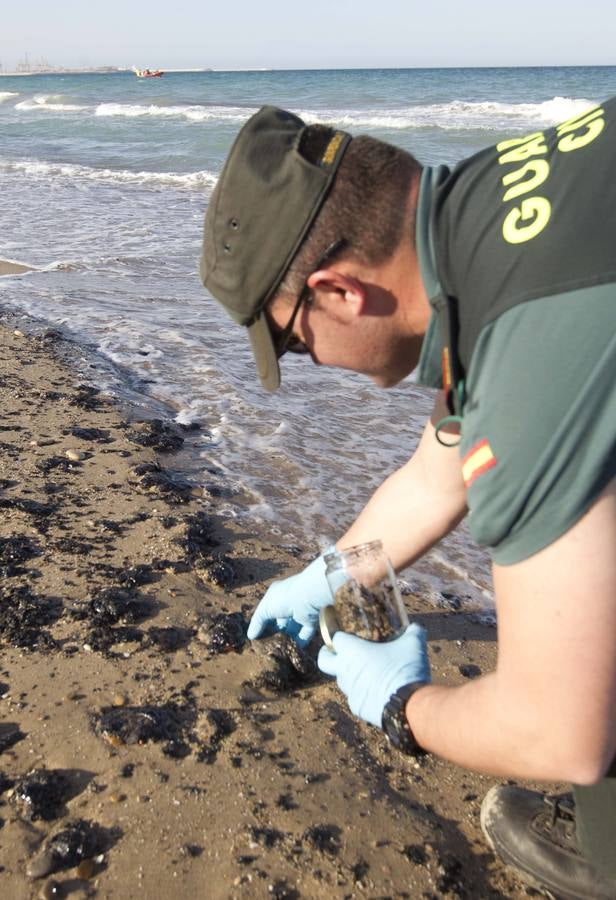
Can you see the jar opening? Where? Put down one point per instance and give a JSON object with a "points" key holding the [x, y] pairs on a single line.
{"points": [[354, 552]]}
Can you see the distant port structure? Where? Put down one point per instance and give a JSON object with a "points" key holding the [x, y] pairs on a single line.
{"points": [[42, 66]]}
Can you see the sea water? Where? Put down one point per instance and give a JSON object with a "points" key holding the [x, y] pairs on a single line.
{"points": [[104, 182]]}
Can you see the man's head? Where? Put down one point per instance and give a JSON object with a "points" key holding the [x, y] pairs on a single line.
{"points": [[292, 198]]}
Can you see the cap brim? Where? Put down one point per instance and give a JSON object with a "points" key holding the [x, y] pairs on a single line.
{"points": [[264, 354]]}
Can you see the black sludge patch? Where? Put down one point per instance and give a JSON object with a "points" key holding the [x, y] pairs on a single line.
{"points": [[23, 616], [158, 435], [79, 840], [168, 724], [10, 735], [325, 838], [282, 664], [14, 550], [150, 478], [109, 606], [227, 633], [41, 794]]}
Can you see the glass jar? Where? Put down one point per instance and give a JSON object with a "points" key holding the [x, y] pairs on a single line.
{"points": [[366, 599]]}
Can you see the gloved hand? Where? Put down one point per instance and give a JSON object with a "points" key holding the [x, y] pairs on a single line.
{"points": [[294, 603], [369, 673]]}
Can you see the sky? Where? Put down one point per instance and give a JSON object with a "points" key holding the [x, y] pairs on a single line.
{"points": [[283, 34]]}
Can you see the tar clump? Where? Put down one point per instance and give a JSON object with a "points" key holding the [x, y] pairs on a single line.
{"points": [[135, 576], [226, 633], [5, 782], [15, 550], [86, 397], [325, 838], [150, 478], [41, 794], [23, 615], [39, 512], [109, 606], [282, 665], [167, 724], [101, 638], [220, 724], [199, 537], [156, 434], [265, 837], [78, 841], [9, 736], [218, 571], [91, 434]]}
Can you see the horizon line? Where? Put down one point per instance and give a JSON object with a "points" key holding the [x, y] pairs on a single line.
{"points": [[112, 69]]}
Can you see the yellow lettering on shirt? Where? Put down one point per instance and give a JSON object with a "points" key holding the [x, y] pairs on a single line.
{"points": [[525, 221], [536, 146], [579, 120], [538, 170], [535, 211], [516, 142], [593, 124]]}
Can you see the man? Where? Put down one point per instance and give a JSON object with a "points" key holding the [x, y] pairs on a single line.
{"points": [[499, 280]]}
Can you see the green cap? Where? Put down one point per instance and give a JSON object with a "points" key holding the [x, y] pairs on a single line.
{"points": [[267, 197]]}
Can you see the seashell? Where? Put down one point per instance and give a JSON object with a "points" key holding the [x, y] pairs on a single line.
{"points": [[75, 455]]}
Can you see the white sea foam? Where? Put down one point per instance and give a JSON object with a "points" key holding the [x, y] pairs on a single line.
{"points": [[458, 114], [49, 103], [6, 95], [193, 113], [40, 169]]}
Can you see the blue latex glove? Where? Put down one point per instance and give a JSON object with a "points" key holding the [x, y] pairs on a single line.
{"points": [[369, 673], [294, 603]]}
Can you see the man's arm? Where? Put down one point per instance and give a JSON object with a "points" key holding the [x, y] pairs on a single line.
{"points": [[548, 712], [418, 504], [410, 512]]}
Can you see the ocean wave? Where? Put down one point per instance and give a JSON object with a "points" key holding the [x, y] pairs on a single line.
{"points": [[50, 103], [193, 113], [6, 95], [488, 115], [456, 115], [39, 169]]}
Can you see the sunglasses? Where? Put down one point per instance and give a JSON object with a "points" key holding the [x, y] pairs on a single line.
{"points": [[284, 340]]}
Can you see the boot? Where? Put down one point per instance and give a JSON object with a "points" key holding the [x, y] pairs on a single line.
{"points": [[535, 835]]}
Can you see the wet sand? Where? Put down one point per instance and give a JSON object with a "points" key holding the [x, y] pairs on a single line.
{"points": [[13, 268], [195, 765]]}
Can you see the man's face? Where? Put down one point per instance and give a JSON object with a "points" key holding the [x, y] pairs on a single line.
{"points": [[334, 334]]}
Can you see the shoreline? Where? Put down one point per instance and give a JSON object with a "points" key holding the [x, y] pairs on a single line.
{"points": [[190, 755]]}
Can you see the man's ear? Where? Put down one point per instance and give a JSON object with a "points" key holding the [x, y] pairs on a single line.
{"points": [[341, 294]]}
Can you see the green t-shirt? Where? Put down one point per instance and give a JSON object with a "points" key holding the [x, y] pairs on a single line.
{"points": [[539, 428]]}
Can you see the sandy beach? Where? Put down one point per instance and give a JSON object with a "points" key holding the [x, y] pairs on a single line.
{"points": [[13, 268], [147, 751]]}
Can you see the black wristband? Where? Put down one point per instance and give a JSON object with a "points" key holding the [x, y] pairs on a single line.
{"points": [[395, 723]]}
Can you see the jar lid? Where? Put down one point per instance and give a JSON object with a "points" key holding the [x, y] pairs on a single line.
{"points": [[328, 623]]}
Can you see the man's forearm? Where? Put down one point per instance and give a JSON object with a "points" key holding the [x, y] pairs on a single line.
{"points": [[416, 506], [481, 727]]}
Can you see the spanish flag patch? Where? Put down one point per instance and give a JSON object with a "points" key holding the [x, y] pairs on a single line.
{"points": [[478, 460]]}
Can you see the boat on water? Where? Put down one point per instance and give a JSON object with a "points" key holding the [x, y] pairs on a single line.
{"points": [[147, 73]]}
